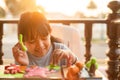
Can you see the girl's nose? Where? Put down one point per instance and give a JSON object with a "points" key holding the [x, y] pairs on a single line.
{"points": [[39, 44]]}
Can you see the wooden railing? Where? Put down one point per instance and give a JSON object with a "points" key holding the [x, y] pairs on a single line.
{"points": [[113, 33], [88, 29]]}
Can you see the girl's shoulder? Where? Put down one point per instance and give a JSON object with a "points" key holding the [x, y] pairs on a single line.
{"points": [[59, 46]]}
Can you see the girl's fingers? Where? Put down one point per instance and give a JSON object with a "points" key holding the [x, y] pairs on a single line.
{"points": [[56, 55], [68, 56], [21, 53], [18, 45], [62, 54], [69, 60], [17, 52]]}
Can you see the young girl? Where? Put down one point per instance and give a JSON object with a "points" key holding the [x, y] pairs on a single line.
{"points": [[42, 48]]}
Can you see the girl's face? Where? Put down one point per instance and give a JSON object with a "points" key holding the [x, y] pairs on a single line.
{"points": [[39, 47]]}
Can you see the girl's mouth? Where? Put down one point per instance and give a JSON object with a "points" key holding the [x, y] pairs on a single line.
{"points": [[39, 53]]}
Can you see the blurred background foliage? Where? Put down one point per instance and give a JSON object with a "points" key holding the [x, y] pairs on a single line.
{"points": [[16, 7], [2, 12]]}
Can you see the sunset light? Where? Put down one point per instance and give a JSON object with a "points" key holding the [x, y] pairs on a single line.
{"points": [[69, 7]]}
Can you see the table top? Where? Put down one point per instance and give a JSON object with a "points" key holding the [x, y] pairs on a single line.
{"points": [[51, 76]]}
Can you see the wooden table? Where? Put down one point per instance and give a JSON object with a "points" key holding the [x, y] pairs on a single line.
{"points": [[53, 76]]}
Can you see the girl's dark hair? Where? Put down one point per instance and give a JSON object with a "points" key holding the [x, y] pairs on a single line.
{"points": [[34, 24], [55, 39]]}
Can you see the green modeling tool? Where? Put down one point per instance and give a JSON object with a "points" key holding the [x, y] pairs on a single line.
{"points": [[21, 42]]}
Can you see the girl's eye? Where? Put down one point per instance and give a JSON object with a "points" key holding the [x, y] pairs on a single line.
{"points": [[44, 38], [31, 42]]}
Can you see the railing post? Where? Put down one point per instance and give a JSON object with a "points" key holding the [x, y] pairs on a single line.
{"points": [[88, 37], [113, 36], [1, 34]]}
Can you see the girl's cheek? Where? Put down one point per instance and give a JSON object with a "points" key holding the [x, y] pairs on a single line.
{"points": [[29, 46]]}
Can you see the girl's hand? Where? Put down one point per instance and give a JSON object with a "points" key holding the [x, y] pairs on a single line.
{"points": [[60, 54], [20, 55]]}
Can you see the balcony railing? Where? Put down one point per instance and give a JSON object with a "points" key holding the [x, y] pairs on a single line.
{"points": [[113, 34]]}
